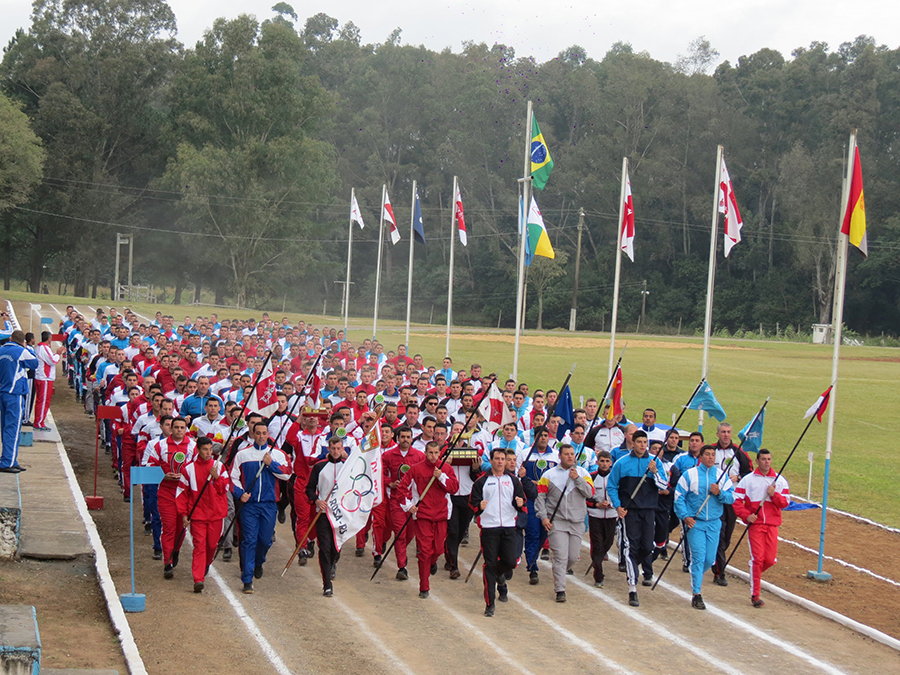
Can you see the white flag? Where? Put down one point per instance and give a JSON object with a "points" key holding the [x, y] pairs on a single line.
{"points": [[459, 217], [264, 398], [358, 491], [389, 217], [355, 213], [494, 410], [728, 206], [627, 224]]}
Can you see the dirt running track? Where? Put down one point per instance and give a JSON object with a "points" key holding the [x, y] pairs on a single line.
{"points": [[383, 627]]}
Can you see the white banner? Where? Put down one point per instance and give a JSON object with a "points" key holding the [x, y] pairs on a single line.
{"points": [[358, 491]]}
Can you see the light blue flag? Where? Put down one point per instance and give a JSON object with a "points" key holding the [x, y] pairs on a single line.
{"points": [[705, 400], [751, 435]]}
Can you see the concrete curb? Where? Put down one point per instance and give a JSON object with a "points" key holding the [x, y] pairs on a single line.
{"points": [[116, 613]]}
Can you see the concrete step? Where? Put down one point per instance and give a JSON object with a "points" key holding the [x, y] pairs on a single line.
{"points": [[20, 643], [10, 514]]}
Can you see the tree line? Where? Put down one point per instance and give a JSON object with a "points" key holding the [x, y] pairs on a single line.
{"points": [[232, 161]]}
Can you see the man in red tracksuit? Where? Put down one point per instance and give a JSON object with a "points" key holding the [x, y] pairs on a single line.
{"points": [[206, 518], [395, 464], [758, 501], [304, 439], [163, 455], [431, 510]]}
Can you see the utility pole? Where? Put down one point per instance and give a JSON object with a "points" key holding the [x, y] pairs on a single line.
{"points": [[644, 294], [577, 270]]}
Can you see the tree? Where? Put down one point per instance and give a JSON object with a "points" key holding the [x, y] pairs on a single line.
{"points": [[21, 156], [541, 274]]}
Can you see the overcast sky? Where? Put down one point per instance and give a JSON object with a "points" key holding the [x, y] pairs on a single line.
{"points": [[543, 29]]}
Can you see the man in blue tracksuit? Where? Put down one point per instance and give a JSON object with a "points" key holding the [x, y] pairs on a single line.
{"points": [[254, 477], [699, 498], [15, 362], [635, 499]]}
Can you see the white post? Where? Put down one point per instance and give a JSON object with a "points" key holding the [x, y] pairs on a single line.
{"points": [[412, 238], [526, 206], [115, 293], [453, 228], [809, 484], [711, 279], [349, 257], [615, 307], [380, 249]]}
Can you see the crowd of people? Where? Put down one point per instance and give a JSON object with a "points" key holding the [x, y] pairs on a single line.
{"points": [[179, 396]]}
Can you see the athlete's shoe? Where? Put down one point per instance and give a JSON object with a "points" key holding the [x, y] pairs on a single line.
{"points": [[248, 587], [454, 574], [258, 572], [360, 552], [545, 554], [489, 610], [621, 566], [756, 601], [423, 594], [697, 602], [561, 596], [502, 593], [433, 569], [168, 572], [328, 591], [402, 574], [533, 578], [376, 561], [720, 581], [647, 580], [686, 568], [632, 599], [198, 587]]}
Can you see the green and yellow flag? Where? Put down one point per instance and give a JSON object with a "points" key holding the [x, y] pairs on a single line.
{"points": [[541, 162]]}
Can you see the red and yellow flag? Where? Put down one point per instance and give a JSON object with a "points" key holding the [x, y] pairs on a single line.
{"points": [[854, 223], [615, 396]]}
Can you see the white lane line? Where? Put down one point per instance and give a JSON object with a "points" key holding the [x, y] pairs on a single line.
{"points": [[568, 636], [492, 645], [58, 313], [376, 641], [266, 647], [666, 634], [849, 515], [749, 628], [839, 561]]}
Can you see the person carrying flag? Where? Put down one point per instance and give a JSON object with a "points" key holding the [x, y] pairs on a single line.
{"points": [[758, 500], [322, 481], [700, 496], [731, 459]]}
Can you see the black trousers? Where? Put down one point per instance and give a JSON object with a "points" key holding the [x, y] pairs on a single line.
{"points": [[328, 553], [498, 545], [602, 533], [729, 519], [636, 540], [460, 518]]}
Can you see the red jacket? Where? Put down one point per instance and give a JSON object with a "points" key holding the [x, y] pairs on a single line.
{"points": [[214, 503], [164, 457], [394, 465], [436, 505], [752, 490]]}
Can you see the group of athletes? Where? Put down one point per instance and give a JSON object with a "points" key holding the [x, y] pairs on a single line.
{"points": [[176, 396]]}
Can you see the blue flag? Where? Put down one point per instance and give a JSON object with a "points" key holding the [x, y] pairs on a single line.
{"points": [[705, 400], [566, 411], [752, 434], [418, 227]]}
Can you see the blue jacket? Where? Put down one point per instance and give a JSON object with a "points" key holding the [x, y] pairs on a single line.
{"points": [[195, 405], [15, 361], [691, 491], [247, 463], [625, 476]]}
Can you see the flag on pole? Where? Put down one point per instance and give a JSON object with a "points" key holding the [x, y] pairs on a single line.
{"points": [[493, 409], [537, 243], [818, 408], [459, 217], [357, 492], [541, 162], [565, 410], [627, 226], [418, 227], [728, 206], [854, 223], [264, 398], [705, 400], [315, 385], [355, 213], [615, 396], [751, 435], [389, 217]]}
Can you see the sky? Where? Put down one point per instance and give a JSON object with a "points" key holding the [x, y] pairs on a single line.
{"points": [[663, 28]]}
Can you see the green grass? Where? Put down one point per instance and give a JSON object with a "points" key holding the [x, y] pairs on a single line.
{"points": [[662, 376]]}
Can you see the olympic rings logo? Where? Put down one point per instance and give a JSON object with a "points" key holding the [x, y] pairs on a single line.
{"points": [[360, 487]]}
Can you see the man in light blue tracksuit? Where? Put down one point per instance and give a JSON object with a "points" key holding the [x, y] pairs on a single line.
{"points": [[699, 498], [15, 362]]}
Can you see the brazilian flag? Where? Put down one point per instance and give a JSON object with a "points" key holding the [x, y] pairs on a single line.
{"points": [[541, 162]]}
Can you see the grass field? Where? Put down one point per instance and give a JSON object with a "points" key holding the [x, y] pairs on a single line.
{"points": [[662, 372]]}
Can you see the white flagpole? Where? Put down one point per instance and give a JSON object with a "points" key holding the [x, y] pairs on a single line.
{"points": [[349, 257], [711, 280], [412, 238], [615, 307], [526, 206], [453, 234], [837, 324], [380, 249]]}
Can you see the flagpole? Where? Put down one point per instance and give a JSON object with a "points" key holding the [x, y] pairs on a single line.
{"points": [[378, 271], [453, 228], [526, 206], [711, 280], [349, 257], [837, 324], [412, 241], [615, 307]]}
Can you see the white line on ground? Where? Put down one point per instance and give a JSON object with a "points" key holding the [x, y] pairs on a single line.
{"points": [[58, 313], [114, 605], [377, 642], [277, 663], [849, 515], [839, 561]]}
